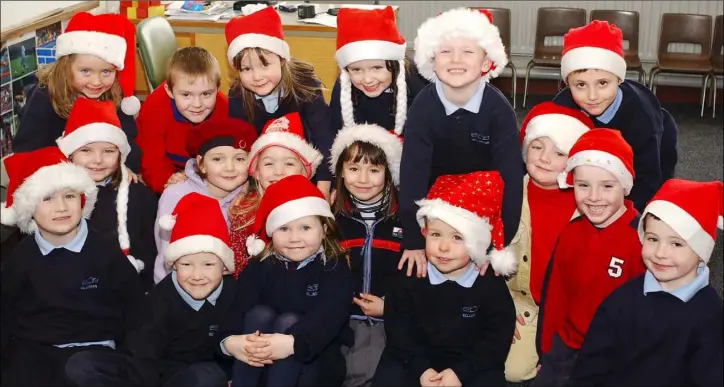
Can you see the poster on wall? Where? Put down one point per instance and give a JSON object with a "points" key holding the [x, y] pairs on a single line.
{"points": [[20, 60], [6, 135], [45, 44]]}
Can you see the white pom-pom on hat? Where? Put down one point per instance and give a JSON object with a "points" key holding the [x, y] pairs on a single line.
{"points": [[503, 261], [8, 215], [137, 263], [254, 245], [166, 222], [131, 105]]}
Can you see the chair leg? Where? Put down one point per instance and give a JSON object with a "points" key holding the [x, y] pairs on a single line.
{"points": [[642, 76], [704, 86], [713, 96], [527, 76], [654, 78], [514, 72]]}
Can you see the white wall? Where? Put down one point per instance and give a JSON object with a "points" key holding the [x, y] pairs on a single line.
{"points": [[13, 13]]}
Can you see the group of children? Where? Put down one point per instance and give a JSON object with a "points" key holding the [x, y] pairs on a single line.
{"points": [[394, 237]]}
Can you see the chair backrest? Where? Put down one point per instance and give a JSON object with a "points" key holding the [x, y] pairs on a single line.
{"points": [[501, 19], [554, 21], [716, 48], [156, 45], [627, 21], [685, 28]]}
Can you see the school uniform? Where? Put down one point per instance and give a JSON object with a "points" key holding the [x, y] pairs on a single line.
{"points": [[647, 127], [644, 335], [465, 325], [59, 300], [442, 138], [41, 126], [162, 133]]}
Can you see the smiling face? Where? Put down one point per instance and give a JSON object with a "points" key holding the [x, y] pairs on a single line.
{"points": [[195, 98], [58, 216], [445, 248], [100, 159], [599, 195], [199, 274], [667, 255], [459, 62], [544, 161], [299, 239], [363, 180], [260, 72], [593, 90], [276, 163], [92, 76], [371, 76], [225, 169]]}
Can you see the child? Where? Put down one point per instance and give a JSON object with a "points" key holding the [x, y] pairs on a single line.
{"points": [[454, 327], [663, 328], [217, 168], [95, 60], [66, 288], [594, 69], [94, 140], [371, 57], [366, 160], [546, 136], [293, 300], [280, 151], [595, 253], [460, 123], [189, 98], [177, 345], [269, 83]]}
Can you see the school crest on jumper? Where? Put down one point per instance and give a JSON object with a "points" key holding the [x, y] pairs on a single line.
{"points": [[312, 290], [397, 232]]}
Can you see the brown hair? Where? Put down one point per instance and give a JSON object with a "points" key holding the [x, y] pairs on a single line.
{"points": [[192, 62], [58, 79], [366, 153], [330, 242], [393, 66], [299, 83], [646, 218]]}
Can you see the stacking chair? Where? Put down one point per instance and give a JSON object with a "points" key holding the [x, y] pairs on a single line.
{"points": [[628, 22], [156, 43], [551, 22], [501, 19], [717, 59], [684, 28]]}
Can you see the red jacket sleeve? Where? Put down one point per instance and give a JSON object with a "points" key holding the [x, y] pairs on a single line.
{"points": [[553, 298], [153, 126]]}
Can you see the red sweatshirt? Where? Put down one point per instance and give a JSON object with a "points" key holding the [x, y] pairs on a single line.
{"points": [[587, 265], [162, 135]]}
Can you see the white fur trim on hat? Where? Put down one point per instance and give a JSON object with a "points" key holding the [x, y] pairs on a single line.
{"points": [[504, 261], [295, 209], [683, 223], [599, 159], [375, 135], [194, 244], [310, 156], [593, 58], [369, 49], [459, 22], [562, 129], [94, 132], [109, 47], [275, 45], [130, 105], [137, 263], [475, 230], [44, 182]]}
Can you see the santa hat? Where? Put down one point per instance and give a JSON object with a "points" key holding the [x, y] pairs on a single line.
{"points": [[37, 174], [692, 209], [390, 143], [262, 29], [287, 200], [228, 131], [191, 236], [460, 22], [561, 124], [471, 204], [603, 148], [369, 34], [598, 45], [110, 37], [97, 121], [287, 132]]}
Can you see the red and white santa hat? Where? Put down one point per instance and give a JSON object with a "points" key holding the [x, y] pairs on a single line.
{"points": [[459, 22], [37, 174], [262, 29], [110, 37], [597, 45], [291, 198], [603, 148], [471, 204], [287, 132], [561, 124], [693, 209], [369, 34], [389, 142], [191, 236]]}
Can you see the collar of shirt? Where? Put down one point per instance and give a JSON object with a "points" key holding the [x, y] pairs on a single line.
{"points": [[271, 101], [610, 112], [176, 113], [473, 104], [105, 182], [196, 304], [303, 262], [684, 293], [75, 244], [466, 280]]}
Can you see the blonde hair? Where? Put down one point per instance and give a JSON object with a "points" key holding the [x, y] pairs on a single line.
{"points": [[58, 79], [330, 242], [192, 62], [247, 206], [299, 84]]}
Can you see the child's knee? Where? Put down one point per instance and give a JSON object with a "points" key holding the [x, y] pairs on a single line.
{"points": [[260, 314], [285, 321], [83, 365], [203, 374]]}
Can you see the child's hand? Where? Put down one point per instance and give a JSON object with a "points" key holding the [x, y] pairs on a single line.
{"points": [[449, 379], [281, 345], [178, 177], [132, 177], [371, 305], [484, 268], [248, 349], [430, 378], [414, 258], [516, 334]]}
